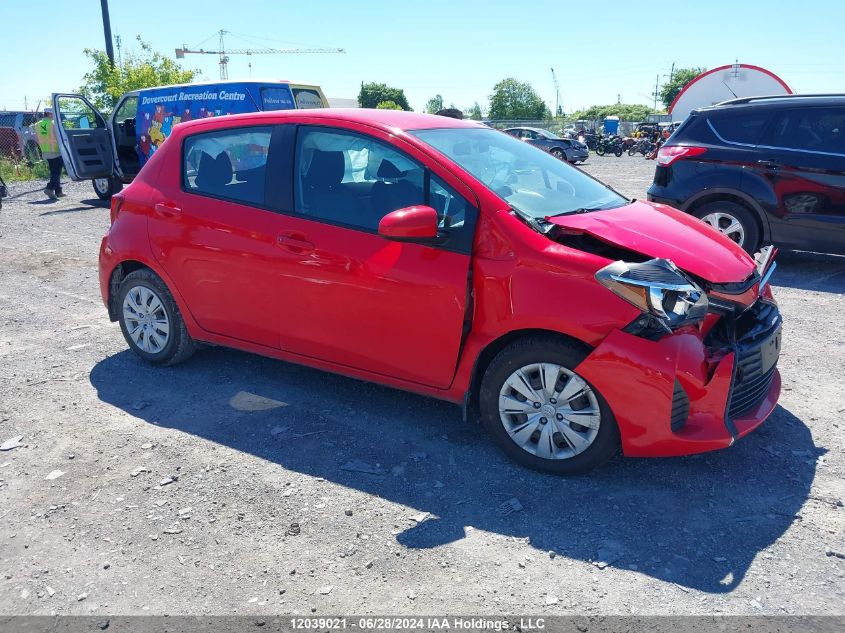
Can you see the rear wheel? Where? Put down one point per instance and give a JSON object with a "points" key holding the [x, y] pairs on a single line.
{"points": [[600, 150], [542, 413], [150, 320], [105, 188], [617, 151], [732, 220]]}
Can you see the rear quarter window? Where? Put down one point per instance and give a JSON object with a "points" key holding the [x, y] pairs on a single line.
{"points": [[744, 128]]}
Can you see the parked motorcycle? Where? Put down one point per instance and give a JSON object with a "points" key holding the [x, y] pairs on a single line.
{"points": [[643, 146], [610, 145]]}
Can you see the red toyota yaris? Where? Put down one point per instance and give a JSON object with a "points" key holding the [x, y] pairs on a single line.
{"points": [[443, 257]]}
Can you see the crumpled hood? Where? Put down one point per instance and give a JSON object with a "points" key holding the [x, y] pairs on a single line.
{"points": [[657, 230]]}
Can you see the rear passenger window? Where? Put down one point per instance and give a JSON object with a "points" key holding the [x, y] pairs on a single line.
{"points": [[228, 164], [741, 128]]}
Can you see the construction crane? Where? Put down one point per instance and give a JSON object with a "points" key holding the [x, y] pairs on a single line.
{"points": [[558, 111], [224, 54]]}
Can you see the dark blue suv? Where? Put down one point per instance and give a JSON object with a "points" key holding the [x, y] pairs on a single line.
{"points": [[761, 170]]}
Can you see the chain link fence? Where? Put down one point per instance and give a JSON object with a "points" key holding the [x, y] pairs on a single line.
{"points": [[20, 158], [560, 127]]}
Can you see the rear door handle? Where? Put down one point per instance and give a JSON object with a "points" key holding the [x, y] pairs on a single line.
{"points": [[770, 164], [295, 243], [167, 209]]}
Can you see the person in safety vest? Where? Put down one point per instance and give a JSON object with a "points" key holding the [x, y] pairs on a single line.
{"points": [[45, 132]]}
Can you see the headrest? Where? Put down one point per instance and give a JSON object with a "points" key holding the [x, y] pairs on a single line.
{"points": [[389, 170], [326, 168], [214, 172]]}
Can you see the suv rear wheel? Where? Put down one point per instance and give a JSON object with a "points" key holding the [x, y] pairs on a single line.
{"points": [[733, 220], [105, 188]]}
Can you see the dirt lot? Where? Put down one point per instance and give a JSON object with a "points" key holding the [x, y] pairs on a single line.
{"points": [[232, 484]]}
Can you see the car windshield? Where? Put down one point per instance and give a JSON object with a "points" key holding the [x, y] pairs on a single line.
{"points": [[532, 181]]}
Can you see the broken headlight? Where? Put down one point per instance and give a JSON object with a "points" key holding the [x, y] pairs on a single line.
{"points": [[658, 288]]}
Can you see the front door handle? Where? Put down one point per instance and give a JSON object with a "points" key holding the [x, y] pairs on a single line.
{"points": [[769, 164], [295, 242], [167, 209]]}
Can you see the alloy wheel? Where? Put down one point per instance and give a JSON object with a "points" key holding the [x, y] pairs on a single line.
{"points": [[549, 411], [146, 319], [726, 224]]}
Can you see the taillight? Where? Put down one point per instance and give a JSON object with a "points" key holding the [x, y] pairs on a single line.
{"points": [[667, 155], [116, 204]]}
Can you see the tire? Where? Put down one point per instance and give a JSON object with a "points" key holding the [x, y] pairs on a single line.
{"points": [[632, 151], [723, 213], [617, 152], [558, 153], [551, 351], [105, 188], [178, 344], [600, 150]]}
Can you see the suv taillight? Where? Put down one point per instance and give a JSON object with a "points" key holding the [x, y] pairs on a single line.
{"points": [[667, 155], [116, 204]]}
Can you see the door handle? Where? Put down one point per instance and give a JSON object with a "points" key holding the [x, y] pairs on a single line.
{"points": [[769, 164], [167, 209], [295, 243]]}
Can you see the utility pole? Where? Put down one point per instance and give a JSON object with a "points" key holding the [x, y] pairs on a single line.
{"points": [[119, 55], [656, 90], [672, 72], [104, 5]]}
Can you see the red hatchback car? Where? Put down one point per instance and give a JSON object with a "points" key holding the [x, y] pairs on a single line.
{"points": [[446, 258]]}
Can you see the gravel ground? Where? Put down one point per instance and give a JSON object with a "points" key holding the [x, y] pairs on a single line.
{"points": [[233, 483]]}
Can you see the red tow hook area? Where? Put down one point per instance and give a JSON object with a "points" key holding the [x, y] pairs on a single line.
{"points": [[637, 379]]}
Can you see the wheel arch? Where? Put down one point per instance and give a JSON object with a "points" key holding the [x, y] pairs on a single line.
{"points": [[489, 352], [731, 195], [117, 275]]}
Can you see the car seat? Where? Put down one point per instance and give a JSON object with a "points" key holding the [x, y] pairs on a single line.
{"points": [[392, 192], [214, 174], [323, 194]]}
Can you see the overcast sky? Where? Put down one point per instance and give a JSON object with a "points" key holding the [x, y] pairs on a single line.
{"points": [[458, 49]]}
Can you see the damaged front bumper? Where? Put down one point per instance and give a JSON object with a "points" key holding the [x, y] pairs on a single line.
{"points": [[689, 392]]}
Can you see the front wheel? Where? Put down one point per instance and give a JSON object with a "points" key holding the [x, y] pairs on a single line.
{"points": [[558, 153], [150, 320], [617, 152], [542, 413], [600, 150], [105, 188]]}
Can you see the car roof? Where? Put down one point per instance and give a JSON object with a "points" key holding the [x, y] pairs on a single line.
{"points": [[385, 119], [777, 101], [525, 127], [223, 82]]}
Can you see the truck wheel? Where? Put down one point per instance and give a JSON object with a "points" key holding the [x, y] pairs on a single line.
{"points": [[105, 188], [542, 413]]}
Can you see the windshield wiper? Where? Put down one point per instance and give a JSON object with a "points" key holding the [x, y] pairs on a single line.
{"points": [[576, 211], [530, 220]]}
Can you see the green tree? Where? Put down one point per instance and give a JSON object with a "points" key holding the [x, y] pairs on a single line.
{"points": [[372, 94], [680, 78], [104, 84], [512, 99], [625, 111], [474, 112], [388, 105], [435, 104]]}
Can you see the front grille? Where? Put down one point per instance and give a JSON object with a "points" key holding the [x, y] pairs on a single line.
{"points": [[756, 349]]}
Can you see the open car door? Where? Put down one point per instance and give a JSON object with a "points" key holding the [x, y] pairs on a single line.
{"points": [[84, 138]]}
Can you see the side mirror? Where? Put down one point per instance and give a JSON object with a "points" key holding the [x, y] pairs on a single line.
{"points": [[409, 224]]}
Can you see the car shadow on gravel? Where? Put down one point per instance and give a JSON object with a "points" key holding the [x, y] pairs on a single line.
{"points": [[697, 521], [810, 271]]}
